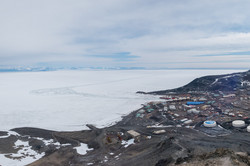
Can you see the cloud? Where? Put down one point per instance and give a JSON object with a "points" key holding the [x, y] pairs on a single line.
{"points": [[244, 53], [111, 33], [121, 56]]}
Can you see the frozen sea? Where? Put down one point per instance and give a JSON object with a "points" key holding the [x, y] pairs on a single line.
{"points": [[67, 100]]}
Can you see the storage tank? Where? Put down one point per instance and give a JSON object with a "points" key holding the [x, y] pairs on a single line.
{"points": [[248, 128], [209, 123], [238, 123]]}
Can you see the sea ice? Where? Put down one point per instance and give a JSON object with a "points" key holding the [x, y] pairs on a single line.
{"points": [[67, 100]]}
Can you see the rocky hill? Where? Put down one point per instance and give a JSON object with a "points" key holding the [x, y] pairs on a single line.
{"points": [[227, 82]]}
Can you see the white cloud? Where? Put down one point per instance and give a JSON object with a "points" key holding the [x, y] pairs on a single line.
{"points": [[162, 33]]}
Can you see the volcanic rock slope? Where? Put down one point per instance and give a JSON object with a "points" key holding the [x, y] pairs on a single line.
{"points": [[228, 82]]}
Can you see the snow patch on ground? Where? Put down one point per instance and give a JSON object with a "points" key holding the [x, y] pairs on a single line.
{"points": [[216, 80], [128, 142], [25, 155], [245, 83], [9, 133], [51, 142], [225, 77], [82, 149]]}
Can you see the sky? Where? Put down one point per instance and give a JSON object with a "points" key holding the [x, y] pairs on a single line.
{"points": [[127, 33]]}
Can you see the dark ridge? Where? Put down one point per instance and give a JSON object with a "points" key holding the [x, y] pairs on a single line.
{"points": [[226, 82], [34, 132]]}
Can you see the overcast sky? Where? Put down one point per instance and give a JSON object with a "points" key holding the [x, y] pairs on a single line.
{"points": [[127, 33]]}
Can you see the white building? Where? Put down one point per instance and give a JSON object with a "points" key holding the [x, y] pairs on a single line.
{"points": [[172, 107]]}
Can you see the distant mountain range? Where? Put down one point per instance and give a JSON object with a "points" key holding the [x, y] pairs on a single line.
{"points": [[23, 69], [34, 69], [227, 82]]}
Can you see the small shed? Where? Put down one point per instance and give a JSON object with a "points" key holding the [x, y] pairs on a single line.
{"points": [[133, 133], [202, 99], [172, 107], [230, 95], [193, 110], [159, 132]]}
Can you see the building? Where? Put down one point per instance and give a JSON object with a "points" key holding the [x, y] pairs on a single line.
{"points": [[195, 102], [133, 133], [202, 99], [172, 107], [230, 95]]}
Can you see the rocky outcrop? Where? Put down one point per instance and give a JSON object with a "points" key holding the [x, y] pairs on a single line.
{"points": [[228, 82]]}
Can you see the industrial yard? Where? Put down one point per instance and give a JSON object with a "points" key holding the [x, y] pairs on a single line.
{"points": [[186, 110]]}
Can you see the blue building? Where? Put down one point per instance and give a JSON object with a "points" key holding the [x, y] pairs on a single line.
{"points": [[195, 102]]}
